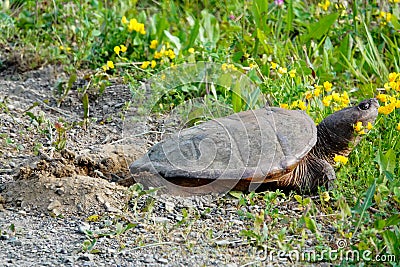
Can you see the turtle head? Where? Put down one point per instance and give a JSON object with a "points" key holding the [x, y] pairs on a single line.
{"points": [[336, 132]]}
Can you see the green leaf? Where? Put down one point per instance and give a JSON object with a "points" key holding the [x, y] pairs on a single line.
{"points": [[392, 242], [194, 34], [310, 224], [393, 220], [209, 31], [173, 39], [387, 161], [290, 16], [237, 102], [362, 209], [71, 81], [260, 10], [320, 28], [236, 194], [85, 102]]}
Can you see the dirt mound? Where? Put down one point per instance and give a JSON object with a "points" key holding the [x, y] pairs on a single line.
{"points": [[67, 183]]}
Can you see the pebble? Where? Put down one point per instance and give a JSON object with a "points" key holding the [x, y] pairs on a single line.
{"points": [[86, 257], [149, 259], [83, 228], [162, 260], [54, 204]]}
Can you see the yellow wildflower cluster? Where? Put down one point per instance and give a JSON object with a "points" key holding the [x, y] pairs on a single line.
{"points": [[340, 159], [398, 127], [394, 82], [389, 99], [120, 48], [341, 100], [133, 25], [298, 104], [283, 70], [385, 17], [63, 48], [146, 64], [328, 86], [226, 66], [391, 103], [153, 44], [325, 196], [109, 65], [168, 53], [359, 128], [325, 5]]}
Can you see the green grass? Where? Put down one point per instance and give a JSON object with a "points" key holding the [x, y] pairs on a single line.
{"points": [[354, 47]]}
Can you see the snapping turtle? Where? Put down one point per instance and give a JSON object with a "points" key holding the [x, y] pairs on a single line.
{"points": [[272, 147]]}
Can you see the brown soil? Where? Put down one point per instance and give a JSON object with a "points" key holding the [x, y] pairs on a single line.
{"points": [[78, 179]]}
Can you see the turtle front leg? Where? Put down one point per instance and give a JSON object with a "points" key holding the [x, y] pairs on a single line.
{"points": [[314, 172], [328, 175]]}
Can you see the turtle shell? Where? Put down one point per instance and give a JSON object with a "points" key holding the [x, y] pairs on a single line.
{"points": [[255, 145]]}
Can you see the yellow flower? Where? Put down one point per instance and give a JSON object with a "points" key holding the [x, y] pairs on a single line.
{"points": [[398, 127], [110, 64], [124, 20], [309, 95], [387, 109], [386, 15], [145, 64], [153, 64], [327, 86], [340, 159], [336, 97], [134, 25], [292, 73], [345, 98], [382, 97], [224, 66], [158, 55], [105, 67], [273, 65], [123, 48], [191, 50], [302, 105], [153, 44], [294, 104], [397, 103], [392, 76], [327, 100], [282, 70], [117, 49], [361, 132], [393, 85], [317, 90], [358, 126], [369, 126], [387, 86], [325, 196], [397, 86], [285, 106], [325, 5], [170, 53]]}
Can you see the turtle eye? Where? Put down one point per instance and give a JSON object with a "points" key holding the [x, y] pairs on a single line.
{"points": [[364, 106]]}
